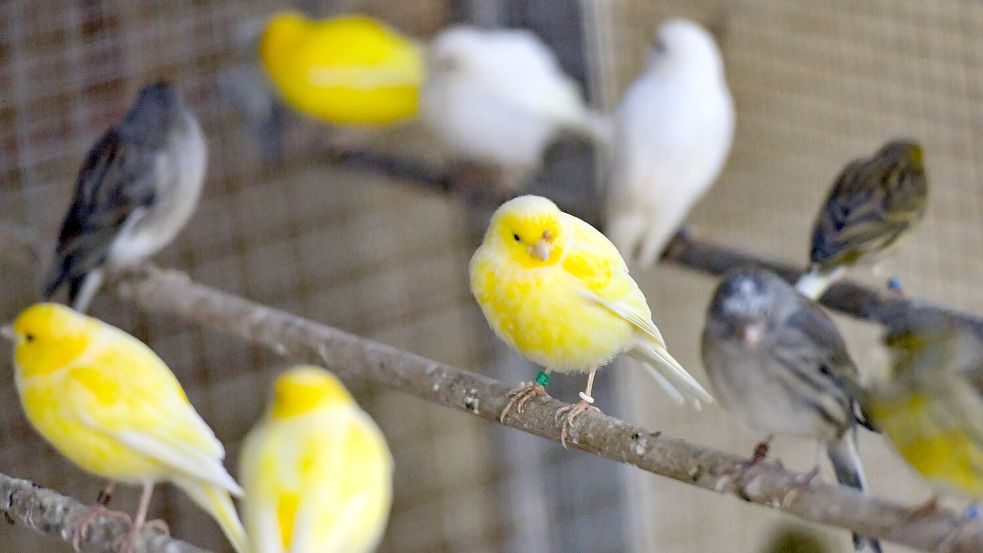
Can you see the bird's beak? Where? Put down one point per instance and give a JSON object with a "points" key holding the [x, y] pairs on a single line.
{"points": [[751, 333], [541, 250], [7, 331]]}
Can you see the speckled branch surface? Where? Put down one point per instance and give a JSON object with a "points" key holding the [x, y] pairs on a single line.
{"points": [[173, 293], [26, 504]]}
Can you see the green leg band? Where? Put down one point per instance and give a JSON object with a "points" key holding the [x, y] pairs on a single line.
{"points": [[543, 379]]}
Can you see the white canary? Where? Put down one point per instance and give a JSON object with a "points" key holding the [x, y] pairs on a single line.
{"points": [[499, 97], [672, 134]]}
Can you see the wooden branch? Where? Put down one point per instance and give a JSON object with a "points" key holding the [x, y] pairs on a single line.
{"points": [[847, 297], [302, 340], [27, 504]]}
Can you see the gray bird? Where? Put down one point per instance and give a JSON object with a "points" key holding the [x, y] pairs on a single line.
{"points": [[138, 187], [776, 361]]}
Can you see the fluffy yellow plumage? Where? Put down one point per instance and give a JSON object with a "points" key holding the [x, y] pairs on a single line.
{"points": [[346, 70], [317, 471], [931, 405], [556, 290], [104, 400]]}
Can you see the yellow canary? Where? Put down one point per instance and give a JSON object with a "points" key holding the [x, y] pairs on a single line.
{"points": [[316, 469], [345, 70], [930, 406], [104, 400], [558, 291]]}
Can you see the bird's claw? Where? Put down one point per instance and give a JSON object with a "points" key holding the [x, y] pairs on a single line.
{"points": [[80, 531], [520, 396], [568, 414]]}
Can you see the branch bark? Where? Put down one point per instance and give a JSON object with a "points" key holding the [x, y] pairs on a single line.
{"points": [[173, 293], [47, 512]]}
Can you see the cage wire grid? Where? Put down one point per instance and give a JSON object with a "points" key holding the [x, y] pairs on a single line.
{"points": [[815, 85]]}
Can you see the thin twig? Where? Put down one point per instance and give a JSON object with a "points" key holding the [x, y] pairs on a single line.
{"points": [[847, 297], [52, 514], [173, 293]]}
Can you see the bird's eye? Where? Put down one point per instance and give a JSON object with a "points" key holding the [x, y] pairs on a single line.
{"points": [[516, 236], [29, 337]]}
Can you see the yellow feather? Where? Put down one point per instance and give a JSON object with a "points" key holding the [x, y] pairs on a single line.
{"points": [[573, 311], [345, 70], [106, 402], [317, 471]]}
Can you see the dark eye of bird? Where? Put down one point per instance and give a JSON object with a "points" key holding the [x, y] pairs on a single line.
{"points": [[29, 337], [516, 236]]}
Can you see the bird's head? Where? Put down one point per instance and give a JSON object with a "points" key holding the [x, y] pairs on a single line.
{"points": [[47, 336], [684, 45], [748, 304], [905, 153], [529, 230], [280, 37], [158, 106], [304, 388]]}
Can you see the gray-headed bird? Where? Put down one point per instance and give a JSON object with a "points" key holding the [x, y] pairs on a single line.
{"points": [[776, 361], [138, 187], [872, 204], [673, 132]]}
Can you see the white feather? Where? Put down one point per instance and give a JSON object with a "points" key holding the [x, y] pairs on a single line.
{"points": [[673, 132]]}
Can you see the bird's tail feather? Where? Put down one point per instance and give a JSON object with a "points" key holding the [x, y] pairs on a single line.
{"points": [[218, 503], [673, 378], [594, 126], [814, 283], [849, 472]]}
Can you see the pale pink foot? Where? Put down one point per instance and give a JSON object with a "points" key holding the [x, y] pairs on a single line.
{"points": [[520, 396], [569, 414]]}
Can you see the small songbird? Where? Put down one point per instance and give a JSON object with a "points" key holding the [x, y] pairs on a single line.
{"points": [[872, 204], [776, 361], [105, 401], [347, 70], [673, 132], [555, 289], [499, 97], [316, 469], [930, 405], [138, 187]]}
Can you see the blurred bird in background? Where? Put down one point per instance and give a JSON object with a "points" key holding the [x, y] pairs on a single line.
{"points": [[930, 405], [499, 98], [776, 361], [105, 401], [316, 469], [673, 132], [872, 204], [555, 289], [348, 70], [138, 187]]}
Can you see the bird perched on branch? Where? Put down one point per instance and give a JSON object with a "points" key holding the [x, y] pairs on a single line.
{"points": [[930, 405], [673, 132], [776, 361], [499, 97], [316, 469], [138, 187], [872, 204], [556, 290], [106, 402], [348, 70]]}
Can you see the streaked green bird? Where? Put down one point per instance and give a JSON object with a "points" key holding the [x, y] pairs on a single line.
{"points": [[872, 204]]}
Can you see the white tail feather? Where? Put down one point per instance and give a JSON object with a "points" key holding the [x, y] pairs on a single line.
{"points": [[814, 283], [673, 378], [217, 503]]}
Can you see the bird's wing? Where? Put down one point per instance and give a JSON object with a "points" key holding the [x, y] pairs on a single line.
{"points": [[341, 491], [116, 182], [126, 392], [595, 262], [859, 217]]}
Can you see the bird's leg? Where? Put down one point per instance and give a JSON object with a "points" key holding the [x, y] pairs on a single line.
{"points": [[521, 395], [571, 412], [140, 518], [961, 531], [95, 511]]}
